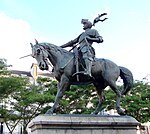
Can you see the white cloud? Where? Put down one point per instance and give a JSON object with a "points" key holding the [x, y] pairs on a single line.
{"points": [[16, 35], [15, 38]]}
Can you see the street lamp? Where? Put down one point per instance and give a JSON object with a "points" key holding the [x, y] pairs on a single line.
{"points": [[21, 127], [1, 121]]}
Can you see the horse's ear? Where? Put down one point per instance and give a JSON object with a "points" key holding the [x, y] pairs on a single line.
{"points": [[31, 44], [36, 42]]}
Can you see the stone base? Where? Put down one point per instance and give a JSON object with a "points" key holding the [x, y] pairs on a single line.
{"points": [[83, 124]]}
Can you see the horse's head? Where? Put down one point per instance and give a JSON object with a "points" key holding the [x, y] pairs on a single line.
{"points": [[40, 54]]}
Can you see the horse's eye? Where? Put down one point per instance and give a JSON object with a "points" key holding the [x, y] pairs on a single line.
{"points": [[38, 51]]}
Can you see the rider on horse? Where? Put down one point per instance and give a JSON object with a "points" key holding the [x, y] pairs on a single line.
{"points": [[85, 41]]}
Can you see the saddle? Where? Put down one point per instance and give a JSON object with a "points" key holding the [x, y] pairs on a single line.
{"points": [[80, 62]]}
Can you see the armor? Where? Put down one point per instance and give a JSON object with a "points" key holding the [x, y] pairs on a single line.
{"points": [[85, 41]]}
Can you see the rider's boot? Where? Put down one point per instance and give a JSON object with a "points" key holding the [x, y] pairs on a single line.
{"points": [[88, 64]]}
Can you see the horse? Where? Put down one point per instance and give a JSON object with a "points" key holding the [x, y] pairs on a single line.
{"points": [[104, 73]]}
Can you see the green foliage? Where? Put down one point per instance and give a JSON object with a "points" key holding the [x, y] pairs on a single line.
{"points": [[2, 64], [137, 103], [9, 84], [78, 100], [23, 101], [3, 67]]}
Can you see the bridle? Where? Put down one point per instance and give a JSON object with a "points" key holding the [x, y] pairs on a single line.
{"points": [[44, 54]]}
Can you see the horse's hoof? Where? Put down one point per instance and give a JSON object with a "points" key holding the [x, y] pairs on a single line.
{"points": [[94, 113], [49, 111], [121, 112]]}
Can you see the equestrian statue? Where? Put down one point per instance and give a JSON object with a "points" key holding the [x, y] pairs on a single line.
{"points": [[80, 66]]}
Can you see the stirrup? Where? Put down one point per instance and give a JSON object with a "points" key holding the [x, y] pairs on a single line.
{"points": [[77, 73], [83, 73]]}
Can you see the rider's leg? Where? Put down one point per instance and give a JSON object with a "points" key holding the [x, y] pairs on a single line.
{"points": [[88, 64]]}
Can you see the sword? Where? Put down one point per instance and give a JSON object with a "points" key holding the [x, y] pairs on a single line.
{"points": [[76, 61], [25, 56]]}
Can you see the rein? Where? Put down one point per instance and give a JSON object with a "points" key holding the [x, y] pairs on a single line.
{"points": [[44, 53]]}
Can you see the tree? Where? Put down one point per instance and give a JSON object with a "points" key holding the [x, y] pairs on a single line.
{"points": [[7, 90], [28, 101], [8, 85], [83, 99], [137, 103], [79, 99]]}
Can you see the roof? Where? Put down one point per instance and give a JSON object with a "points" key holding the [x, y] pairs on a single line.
{"points": [[28, 73]]}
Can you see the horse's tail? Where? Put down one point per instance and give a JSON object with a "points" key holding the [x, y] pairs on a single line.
{"points": [[127, 78]]}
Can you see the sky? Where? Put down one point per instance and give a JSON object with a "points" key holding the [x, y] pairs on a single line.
{"points": [[126, 31]]}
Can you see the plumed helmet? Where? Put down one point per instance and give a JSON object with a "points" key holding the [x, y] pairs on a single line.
{"points": [[83, 21]]}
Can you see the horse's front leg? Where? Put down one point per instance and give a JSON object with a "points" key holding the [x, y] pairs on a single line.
{"points": [[61, 88]]}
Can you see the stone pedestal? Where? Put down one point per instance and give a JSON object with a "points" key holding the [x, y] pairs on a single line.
{"points": [[83, 124]]}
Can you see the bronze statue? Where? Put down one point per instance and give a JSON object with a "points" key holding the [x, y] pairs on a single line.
{"points": [[104, 73], [85, 41]]}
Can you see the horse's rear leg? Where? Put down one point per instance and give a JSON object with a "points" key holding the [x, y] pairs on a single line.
{"points": [[61, 88], [113, 85], [101, 98]]}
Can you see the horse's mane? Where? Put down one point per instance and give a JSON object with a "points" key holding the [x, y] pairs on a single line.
{"points": [[54, 47]]}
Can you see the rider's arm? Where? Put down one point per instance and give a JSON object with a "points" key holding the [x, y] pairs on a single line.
{"points": [[95, 37], [70, 43]]}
